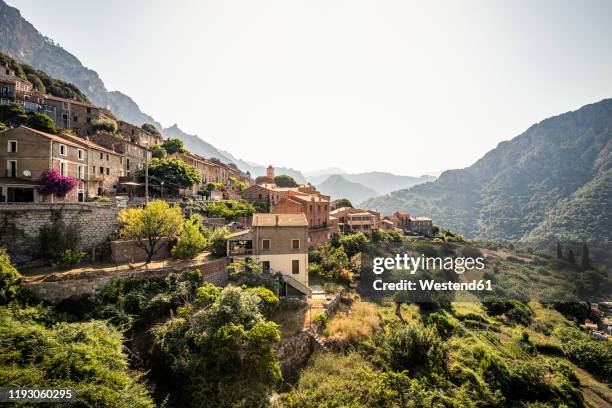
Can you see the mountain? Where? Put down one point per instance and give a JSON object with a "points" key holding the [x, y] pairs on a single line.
{"points": [[381, 182], [22, 41], [324, 172], [553, 182], [338, 187]]}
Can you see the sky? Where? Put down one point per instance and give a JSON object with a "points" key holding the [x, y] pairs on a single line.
{"points": [[403, 86]]}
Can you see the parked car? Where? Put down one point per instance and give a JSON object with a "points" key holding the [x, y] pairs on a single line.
{"points": [[235, 225]]}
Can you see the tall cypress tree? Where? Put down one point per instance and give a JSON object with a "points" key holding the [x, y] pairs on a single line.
{"points": [[586, 262], [559, 252], [570, 257]]}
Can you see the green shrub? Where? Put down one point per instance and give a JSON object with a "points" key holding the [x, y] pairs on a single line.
{"points": [[218, 241], [593, 355], [69, 258], [444, 326], [320, 320], [268, 301], [105, 125], [206, 294], [88, 357], [190, 242], [9, 279], [42, 122]]}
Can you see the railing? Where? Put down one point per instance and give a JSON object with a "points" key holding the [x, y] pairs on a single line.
{"points": [[297, 284]]}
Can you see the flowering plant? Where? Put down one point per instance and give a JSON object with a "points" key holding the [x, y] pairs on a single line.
{"points": [[53, 182]]}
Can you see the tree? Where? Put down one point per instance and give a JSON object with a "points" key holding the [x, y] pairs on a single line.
{"points": [[174, 145], [240, 185], [150, 225], [151, 128], [285, 181], [2, 127], [218, 241], [42, 122], [571, 258], [13, 114], [342, 202], [53, 182], [559, 251], [353, 243], [586, 262], [191, 241], [222, 350], [158, 152], [175, 172], [105, 125], [37, 83]]}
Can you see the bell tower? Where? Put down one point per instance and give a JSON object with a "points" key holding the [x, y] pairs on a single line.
{"points": [[270, 172]]}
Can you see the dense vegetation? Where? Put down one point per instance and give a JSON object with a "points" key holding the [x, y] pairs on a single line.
{"points": [[43, 82], [551, 183]]}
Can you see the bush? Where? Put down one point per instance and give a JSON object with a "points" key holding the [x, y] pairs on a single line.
{"points": [[410, 346], [268, 301], [191, 241], [88, 357], [105, 125], [444, 326], [320, 320], [42, 122], [70, 258], [593, 355], [2, 127], [218, 241], [9, 279]]}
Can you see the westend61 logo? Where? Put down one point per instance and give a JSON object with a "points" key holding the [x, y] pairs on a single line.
{"points": [[458, 265]]}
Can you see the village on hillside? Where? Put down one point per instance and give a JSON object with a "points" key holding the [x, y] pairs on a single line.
{"points": [[94, 159]]}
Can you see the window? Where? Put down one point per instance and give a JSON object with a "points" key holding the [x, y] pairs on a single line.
{"points": [[101, 156], [93, 170], [80, 154], [88, 110], [63, 168], [62, 150], [295, 266], [11, 168], [12, 146], [75, 119], [295, 243], [265, 266], [107, 157], [108, 171], [65, 106], [88, 120], [79, 172], [101, 170], [265, 244]]}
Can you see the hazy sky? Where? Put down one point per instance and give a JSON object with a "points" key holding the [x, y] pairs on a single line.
{"points": [[402, 86]]}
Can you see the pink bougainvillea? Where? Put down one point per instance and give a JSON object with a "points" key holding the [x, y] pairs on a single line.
{"points": [[52, 182]]}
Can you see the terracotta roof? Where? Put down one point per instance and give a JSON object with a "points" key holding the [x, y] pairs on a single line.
{"points": [[360, 214], [49, 136], [87, 143], [386, 222], [420, 219], [280, 220], [72, 101], [121, 139]]}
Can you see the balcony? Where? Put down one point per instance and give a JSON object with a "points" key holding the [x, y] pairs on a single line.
{"points": [[240, 248]]}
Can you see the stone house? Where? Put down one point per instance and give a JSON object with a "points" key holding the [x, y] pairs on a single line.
{"points": [[26, 153], [137, 135], [315, 206], [135, 156], [73, 115], [279, 242], [422, 226], [105, 167]]}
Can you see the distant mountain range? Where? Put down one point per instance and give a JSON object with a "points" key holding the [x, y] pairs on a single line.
{"points": [[339, 187], [21, 40], [380, 182], [551, 183]]}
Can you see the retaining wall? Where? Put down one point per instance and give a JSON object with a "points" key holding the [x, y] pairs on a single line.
{"points": [[56, 287], [20, 224]]}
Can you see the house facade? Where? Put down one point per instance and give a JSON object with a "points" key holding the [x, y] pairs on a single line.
{"points": [[26, 153], [279, 242]]}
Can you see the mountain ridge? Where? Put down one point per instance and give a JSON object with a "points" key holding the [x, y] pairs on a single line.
{"points": [[522, 188], [337, 186]]}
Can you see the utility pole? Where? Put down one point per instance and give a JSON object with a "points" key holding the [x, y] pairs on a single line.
{"points": [[146, 143]]}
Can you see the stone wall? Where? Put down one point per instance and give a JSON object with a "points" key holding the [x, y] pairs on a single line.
{"points": [[129, 251], [294, 352], [57, 287], [20, 224]]}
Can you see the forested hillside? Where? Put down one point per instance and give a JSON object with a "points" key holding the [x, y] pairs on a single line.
{"points": [[550, 183]]}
